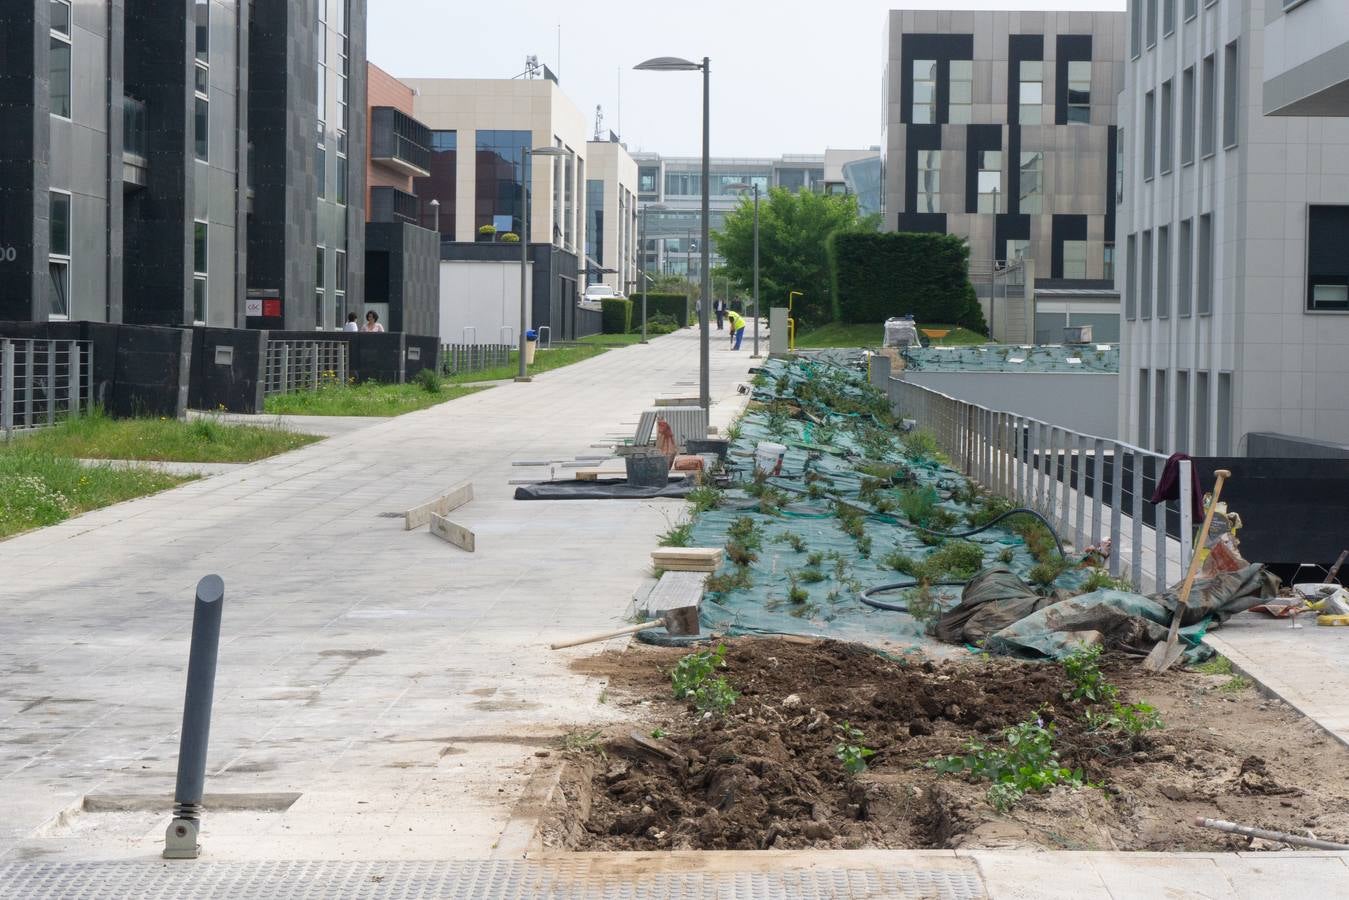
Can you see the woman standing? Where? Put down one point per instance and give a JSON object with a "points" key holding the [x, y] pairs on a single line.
{"points": [[372, 321]]}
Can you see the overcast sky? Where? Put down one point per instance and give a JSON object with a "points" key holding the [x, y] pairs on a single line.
{"points": [[786, 77]]}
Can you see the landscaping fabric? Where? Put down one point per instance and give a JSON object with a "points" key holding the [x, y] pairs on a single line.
{"points": [[1093, 358]]}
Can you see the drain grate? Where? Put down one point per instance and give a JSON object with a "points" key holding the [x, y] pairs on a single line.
{"points": [[449, 880]]}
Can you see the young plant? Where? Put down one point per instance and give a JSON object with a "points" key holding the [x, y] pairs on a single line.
{"points": [[850, 750], [795, 593], [1083, 669], [1028, 762], [677, 535], [736, 578], [739, 554], [704, 498], [1131, 718], [1047, 571], [814, 559], [811, 576], [692, 680], [797, 542], [744, 530], [1006, 556]]}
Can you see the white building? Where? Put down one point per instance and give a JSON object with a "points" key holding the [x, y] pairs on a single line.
{"points": [[1232, 229], [611, 216]]}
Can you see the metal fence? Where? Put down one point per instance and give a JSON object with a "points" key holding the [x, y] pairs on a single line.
{"points": [[458, 358], [305, 365], [1091, 488], [43, 382]]}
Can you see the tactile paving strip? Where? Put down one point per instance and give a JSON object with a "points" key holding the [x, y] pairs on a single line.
{"points": [[450, 880]]}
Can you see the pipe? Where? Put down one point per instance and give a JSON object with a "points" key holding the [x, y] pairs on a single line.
{"points": [[1282, 837]]}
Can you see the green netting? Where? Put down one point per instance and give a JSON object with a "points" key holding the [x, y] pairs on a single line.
{"points": [[841, 443], [1095, 358]]}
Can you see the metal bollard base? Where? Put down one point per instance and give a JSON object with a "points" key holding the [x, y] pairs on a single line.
{"points": [[180, 841]]}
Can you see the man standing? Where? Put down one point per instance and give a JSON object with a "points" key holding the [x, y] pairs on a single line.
{"points": [[720, 308], [737, 328]]}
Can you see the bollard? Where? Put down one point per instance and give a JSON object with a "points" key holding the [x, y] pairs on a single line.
{"points": [[180, 842]]}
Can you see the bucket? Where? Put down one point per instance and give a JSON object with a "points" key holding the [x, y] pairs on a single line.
{"points": [[648, 469], [768, 457], [718, 446]]}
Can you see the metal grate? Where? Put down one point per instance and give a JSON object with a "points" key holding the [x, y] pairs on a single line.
{"points": [[459, 358], [446, 880], [305, 365], [43, 382]]}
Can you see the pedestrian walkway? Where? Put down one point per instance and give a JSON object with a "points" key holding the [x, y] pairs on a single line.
{"points": [[400, 686]]}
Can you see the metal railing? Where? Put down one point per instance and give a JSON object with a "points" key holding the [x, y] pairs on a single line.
{"points": [[305, 365], [460, 358], [1091, 488], [43, 382]]}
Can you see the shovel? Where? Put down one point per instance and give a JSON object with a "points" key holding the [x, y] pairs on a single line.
{"points": [[681, 620], [1165, 654]]}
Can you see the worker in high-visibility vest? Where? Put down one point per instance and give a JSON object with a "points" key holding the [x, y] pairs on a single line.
{"points": [[737, 328]]}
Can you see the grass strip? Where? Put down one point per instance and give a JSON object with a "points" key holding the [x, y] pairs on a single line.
{"points": [[839, 334], [367, 399], [544, 360], [97, 436]]}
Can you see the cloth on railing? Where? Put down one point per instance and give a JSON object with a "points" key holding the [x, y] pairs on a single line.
{"points": [[1168, 486]]}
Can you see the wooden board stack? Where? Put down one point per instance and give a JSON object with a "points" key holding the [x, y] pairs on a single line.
{"points": [[687, 559]]}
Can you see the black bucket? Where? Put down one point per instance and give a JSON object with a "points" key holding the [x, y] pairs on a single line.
{"points": [[648, 469], [718, 446]]}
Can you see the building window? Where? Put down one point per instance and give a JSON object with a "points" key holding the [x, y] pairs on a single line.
{"points": [[1191, 9], [1032, 186], [1074, 259], [684, 184], [1187, 117], [1231, 95], [1135, 29], [960, 110], [569, 164], [1182, 439], [1144, 406], [1131, 277], [340, 289], [1164, 272], [1166, 126], [441, 183], [1185, 283], [202, 8], [1149, 135], [58, 254], [1224, 413], [340, 184], [200, 261], [1207, 135], [1152, 23], [321, 168], [924, 109], [1079, 91], [1205, 264], [320, 258], [1327, 262], [1201, 413], [201, 123], [1108, 261], [1119, 166], [1031, 92], [1159, 415], [1016, 248], [929, 181], [647, 177], [58, 70], [1145, 275], [503, 175], [1168, 17], [990, 180], [595, 224]]}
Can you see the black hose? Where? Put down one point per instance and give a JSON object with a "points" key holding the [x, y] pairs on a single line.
{"points": [[865, 594]]}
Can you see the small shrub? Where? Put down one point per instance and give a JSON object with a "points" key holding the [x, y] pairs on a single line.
{"points": [[704, 497], [659, 324], [1046, 572], [1027, 763], [989, 508], [739, 554], [1131, 718], [737, 578], [677, 535], [850, 750], [796, 593], [1083, 669], [813, 560], [811, 576], [900, 561], [1006, 556], [1100, 579], [692, 680], [744, 531], [921, 445], [429, 381], [917, 504]]}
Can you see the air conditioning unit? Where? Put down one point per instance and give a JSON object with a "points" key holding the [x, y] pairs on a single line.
{"points": [[1077, 334]]}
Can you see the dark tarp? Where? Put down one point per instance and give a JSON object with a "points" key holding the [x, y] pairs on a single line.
{"points": [[600, 490]]}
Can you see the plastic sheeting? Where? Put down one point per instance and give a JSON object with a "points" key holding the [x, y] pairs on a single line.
{"points": [[599, 490]]}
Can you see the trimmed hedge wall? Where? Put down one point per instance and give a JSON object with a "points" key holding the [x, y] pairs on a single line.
{"points": [[675, 305], [616, 315], [876, 276]]}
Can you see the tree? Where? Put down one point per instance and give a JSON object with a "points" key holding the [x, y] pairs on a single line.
{"points": [[793, 231]]}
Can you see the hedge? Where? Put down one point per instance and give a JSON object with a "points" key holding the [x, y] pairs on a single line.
{"points": [[876, 276], [616, 315], [674, 305]]}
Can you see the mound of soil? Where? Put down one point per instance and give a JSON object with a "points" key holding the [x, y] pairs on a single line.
{"points": [[767, 774]]}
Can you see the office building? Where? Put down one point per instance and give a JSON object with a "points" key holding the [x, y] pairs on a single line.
{"points": [[1234, 225], [856, 173], [402, 240], [483, 176], [1306, 64], [611, 216], [1000, 127], [152, 168]]}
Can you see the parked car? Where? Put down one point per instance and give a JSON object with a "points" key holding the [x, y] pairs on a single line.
{"points": [[594, 293]]}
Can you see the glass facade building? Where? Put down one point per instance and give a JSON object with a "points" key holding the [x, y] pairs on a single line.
{"points": [[502, 172]]}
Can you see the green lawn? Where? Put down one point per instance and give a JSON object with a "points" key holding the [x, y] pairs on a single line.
{"points": [[614, 340], [199, 440], [553, 358], [38, 489], [366, 399], [838, 334]]}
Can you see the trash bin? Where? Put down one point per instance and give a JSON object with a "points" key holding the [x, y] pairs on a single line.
{"points": [[648, 468], [531, 345]]}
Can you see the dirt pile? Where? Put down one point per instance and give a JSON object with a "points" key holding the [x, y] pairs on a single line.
{"points": [[768, 773]]}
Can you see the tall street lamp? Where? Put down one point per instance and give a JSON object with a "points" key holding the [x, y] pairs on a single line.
{"points": [[646, 278], [675, 64], [742, 186], [527, 175]]}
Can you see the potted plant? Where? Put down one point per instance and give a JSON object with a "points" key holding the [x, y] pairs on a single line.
{"points": [[510, 237], [487, 233]]}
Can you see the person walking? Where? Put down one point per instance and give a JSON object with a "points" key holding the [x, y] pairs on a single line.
{"points": [[720, 308], [737, 328], [372, 321]]}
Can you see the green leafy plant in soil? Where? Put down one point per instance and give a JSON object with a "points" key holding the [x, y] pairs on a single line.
{"points": [[38, 489], [1100, 579], [96, 436], [704, 498], [429, 380], [1134, 719], [1083, 668], [692, 680], [365, 399], [1026, 762], [850, 751], [677, 535]]}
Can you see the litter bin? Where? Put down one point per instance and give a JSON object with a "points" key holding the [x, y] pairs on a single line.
{"points": [[647, 468], [531, 345]]}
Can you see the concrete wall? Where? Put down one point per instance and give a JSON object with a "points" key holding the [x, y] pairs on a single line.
{"points": [[1085, 403], [609, 162], [1306, 58], [482, 294]]}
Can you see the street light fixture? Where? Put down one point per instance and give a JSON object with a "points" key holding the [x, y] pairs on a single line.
{"points": [[675, 64], [645, 277], [742, 186], [435, 208], [526, 176]]}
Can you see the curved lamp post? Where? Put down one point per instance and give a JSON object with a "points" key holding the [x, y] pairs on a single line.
{"points": [[675, 64], [526, 176], [742, 186]]}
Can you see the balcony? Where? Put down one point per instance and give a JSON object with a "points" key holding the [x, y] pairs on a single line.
{"points": [[389, 204], [399, 142]]}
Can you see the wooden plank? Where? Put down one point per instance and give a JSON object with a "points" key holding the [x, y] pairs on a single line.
{"points": [[453, 533], [441, 505], [675, 589], [688, 552], [685, 567]]}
